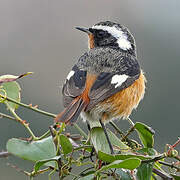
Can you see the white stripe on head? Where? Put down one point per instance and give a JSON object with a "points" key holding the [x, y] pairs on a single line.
{"points": [[118, 34], [71, 73], [118, 79]]}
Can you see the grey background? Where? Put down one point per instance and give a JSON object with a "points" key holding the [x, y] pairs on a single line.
{"points": [[39, 36]]}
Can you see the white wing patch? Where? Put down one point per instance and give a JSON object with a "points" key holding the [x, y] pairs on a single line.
{"points": [[118, 34], [118, 79], [71, 73]]}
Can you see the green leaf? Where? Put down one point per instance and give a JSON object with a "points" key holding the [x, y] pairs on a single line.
{"points": [[12, 90], [145, 134], [130, 164], [100, 143], [117, 142], [99, 140], [65, 144], [45, 161], [106, 157], [148, 151], [144, 171], [110, 158], [32, 151], [123, 174]]}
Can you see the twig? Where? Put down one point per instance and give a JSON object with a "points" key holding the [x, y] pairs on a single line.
{"points": [[173, 146], [128, 133], [44, 135], [116, 128], [177, 157], [129, 141], [28, 106], [156, 158], [18, 169], [162, 174], [4, 154], [169, 165], [26, 125], [8, 117], [83, 147], [33, 173], [80, 131]]}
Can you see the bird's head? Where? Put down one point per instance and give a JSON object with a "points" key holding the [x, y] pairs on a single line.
{"points": [[109, 34]]}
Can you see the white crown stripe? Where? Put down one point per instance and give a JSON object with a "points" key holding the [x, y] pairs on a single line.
{"points": [[71, 73], [118, 34]]}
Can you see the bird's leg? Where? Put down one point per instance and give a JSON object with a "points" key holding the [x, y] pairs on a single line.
{"points": [[89, 129], [107, 137], [88, 126]]}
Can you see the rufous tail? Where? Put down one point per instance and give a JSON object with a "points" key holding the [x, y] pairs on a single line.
{"points": [[72, 112]]}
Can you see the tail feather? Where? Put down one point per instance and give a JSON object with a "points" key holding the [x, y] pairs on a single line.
{"points": [[72, 112]]}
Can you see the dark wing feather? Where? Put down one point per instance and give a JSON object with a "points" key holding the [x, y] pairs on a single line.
{"points": [[74, 86]]}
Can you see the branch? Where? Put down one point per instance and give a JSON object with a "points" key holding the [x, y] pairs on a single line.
{"points": [[4, 154], [18, 119], [28, 106], [169, 165], [128, 133], [8, 117], [156, 158], [162, 174]]}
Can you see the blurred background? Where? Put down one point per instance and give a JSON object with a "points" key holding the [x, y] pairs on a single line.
{"points": [[39, 36]]}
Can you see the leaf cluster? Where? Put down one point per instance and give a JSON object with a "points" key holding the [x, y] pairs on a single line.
{"points": [[60, 152]]}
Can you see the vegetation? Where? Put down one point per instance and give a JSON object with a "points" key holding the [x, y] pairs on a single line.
{"points": [[60, 152]]}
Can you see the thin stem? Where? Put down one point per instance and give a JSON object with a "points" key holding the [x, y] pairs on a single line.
{"points": [[17, 120], [44, 135], [177, 157], [128, 133], [4, 154], [169, 165], [129, 141], [173, 146], [21, 121], [163, 175], [8, 117], [33, 173], [28, 106], [130, 121], [83, 147], [81, 131], [159, 157], [116, 128]]}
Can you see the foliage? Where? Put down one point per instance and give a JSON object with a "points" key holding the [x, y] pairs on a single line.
{"points": [[57, 151]]}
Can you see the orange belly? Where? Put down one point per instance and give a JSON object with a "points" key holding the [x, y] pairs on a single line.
{"points": [[122, 103]]}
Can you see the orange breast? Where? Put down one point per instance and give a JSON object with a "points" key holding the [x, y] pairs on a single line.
{"points": [[123, 102]]}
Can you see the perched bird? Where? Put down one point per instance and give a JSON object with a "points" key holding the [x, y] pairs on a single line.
{"points": [[107, 81]]}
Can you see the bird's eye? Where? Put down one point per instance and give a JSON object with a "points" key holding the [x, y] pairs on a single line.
{"points": [[101, 33]]}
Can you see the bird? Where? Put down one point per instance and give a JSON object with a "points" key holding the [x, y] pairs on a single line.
{"points": [[107, 82]]}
